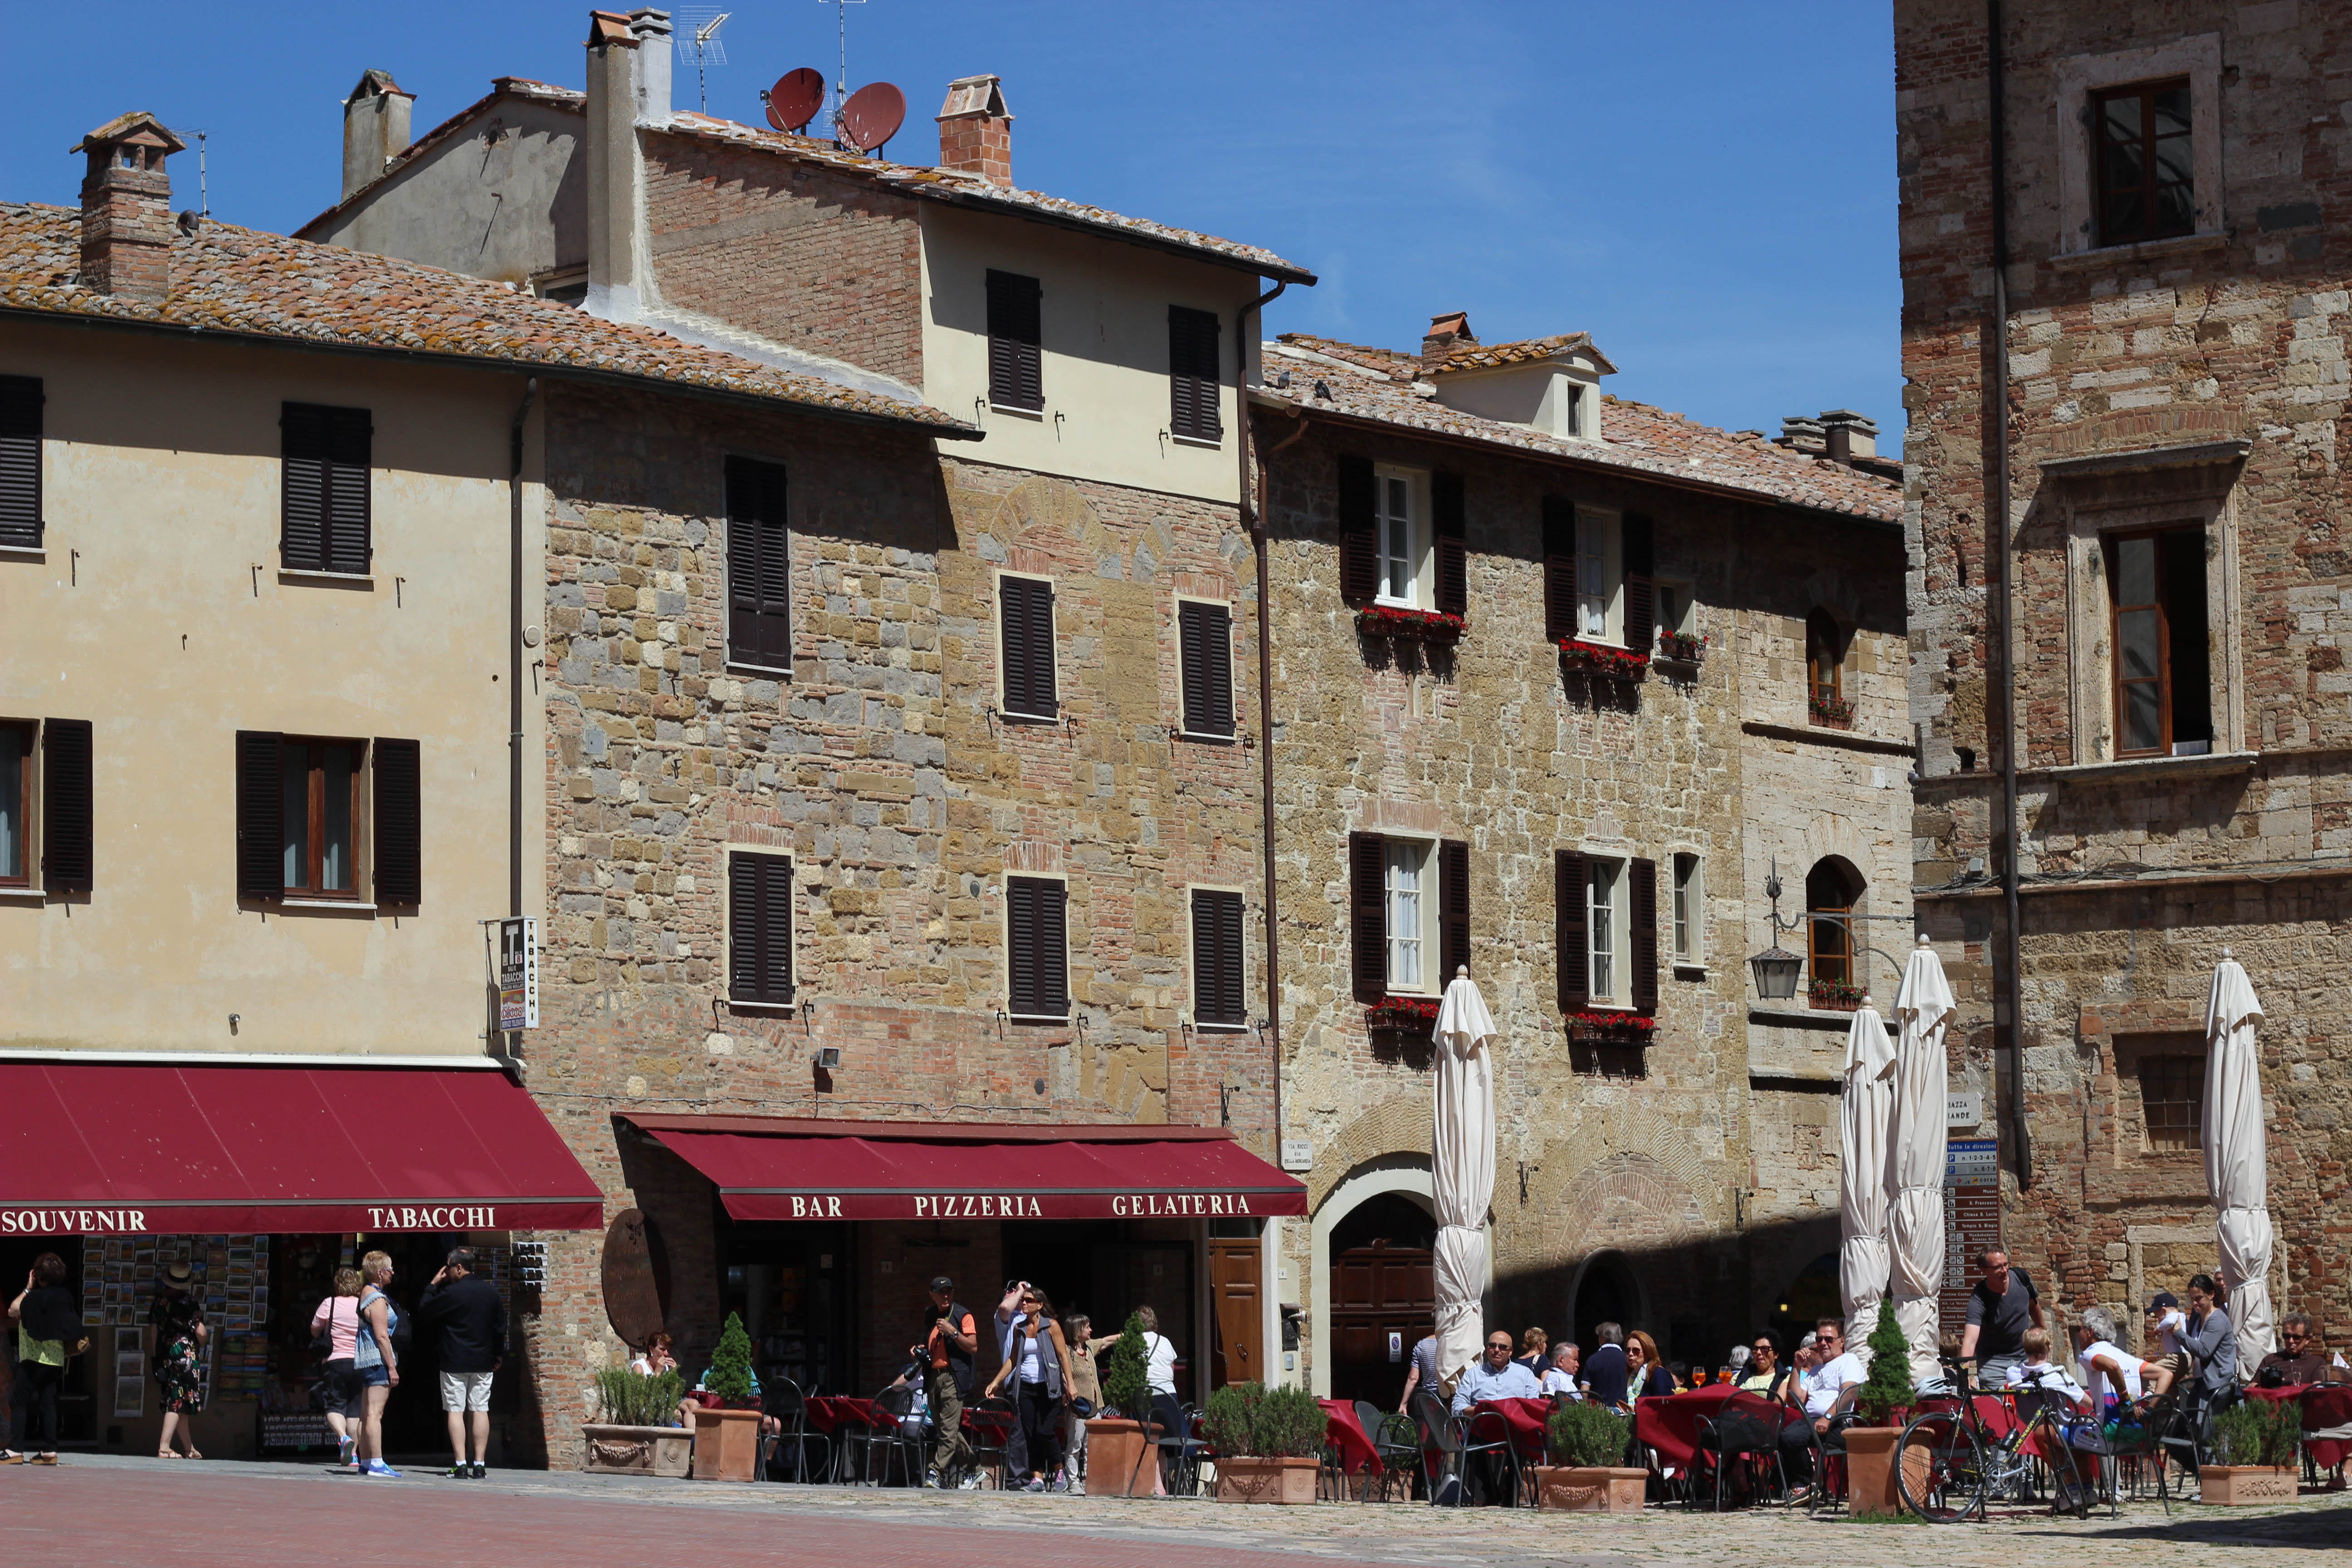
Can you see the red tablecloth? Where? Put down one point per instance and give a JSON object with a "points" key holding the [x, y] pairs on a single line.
{"points": [[1670, 1425], [827, 1413], [1992, 1409], [1356, 1451], [1526, 1419], [2324, 1405]]}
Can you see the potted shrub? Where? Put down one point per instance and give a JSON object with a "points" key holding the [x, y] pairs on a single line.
{"points": [[1269, 1442], [631, 1434], [727, 1440], [2252, 1453], [1586, 1443], [1869, 1443], [1117, 1455]]}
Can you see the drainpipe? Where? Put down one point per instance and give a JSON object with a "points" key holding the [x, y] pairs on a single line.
{"points": [[1253, 517], [1997, 494], [514, 654]]}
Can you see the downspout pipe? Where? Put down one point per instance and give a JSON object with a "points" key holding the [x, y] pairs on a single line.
{"points": [[1254, 517], [1997, 504], [514, 649]]}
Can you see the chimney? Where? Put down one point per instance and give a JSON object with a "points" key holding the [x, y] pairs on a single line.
{"points": [[1444, 332], [651, 29], [375, 129], [1849, 435], [615, 180], [975, 131], [1799, 434], [126, 208]]}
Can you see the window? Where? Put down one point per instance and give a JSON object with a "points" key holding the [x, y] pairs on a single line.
{"points": [[1831, 889], [758, 927], [1206, 650], [319, 817], [1411, 920], [1407, 913], [20, 462], [1192, 379], [2172, 1102], [1016, 361], [1602, 926], [1607, 943], [1824, 665], [1600, 610], [1218, 999], [16, 800], [2163, 696], [324, 516], [1025, 622], [1404, 536], [1690, 911], [68, 862], [1037, 947], [2146, 174], [303, 818], [758, 566], [1677, 609]]}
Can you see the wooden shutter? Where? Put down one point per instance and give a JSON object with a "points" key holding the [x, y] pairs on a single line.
{"points": [[1574, 942], [1368, 902], [302, 512], [1453, 909], [1217, 989], [1452, 543], [1205, 636], [399, 824], [1025, 636], [1037, 945], [69, 859], [759, 566], [260, 818], [775, 928], [1559, 568], [1645, 936], [759, 927], [350, 539], [1015, 370], [1639, 552], [1193, 382], [1020, 947], [1359, 545], [20, 462]]}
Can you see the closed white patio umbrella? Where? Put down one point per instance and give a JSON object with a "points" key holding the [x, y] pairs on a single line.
{"points": [[2237, 1159], [1865, 1104], [1915, 1154], [1462, 1167]]}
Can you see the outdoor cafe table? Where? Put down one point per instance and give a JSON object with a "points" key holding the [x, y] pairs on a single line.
{"points": [[2323, 1406], [1669, 1423], [1357, 1453]]}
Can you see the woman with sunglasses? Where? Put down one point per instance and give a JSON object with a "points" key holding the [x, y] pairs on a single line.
{"points": [[1765, 1375], [1038, 1362]]}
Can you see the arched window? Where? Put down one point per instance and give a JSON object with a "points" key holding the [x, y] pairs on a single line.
{"points": [[1832, 888], [1824, 661]]}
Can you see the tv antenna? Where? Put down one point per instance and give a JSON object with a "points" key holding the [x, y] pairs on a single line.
{"points": [[705, 23], [204, 179], [841, 82]]}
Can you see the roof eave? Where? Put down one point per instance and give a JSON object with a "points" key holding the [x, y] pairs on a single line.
{"points": [[975, 201]]}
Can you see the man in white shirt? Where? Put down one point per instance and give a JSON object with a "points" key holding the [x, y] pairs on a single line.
{"points": [[1495, 1375], [1823, 1386], [2108, 1369]]}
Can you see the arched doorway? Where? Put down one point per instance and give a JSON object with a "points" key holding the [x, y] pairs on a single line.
{"points": [[1606, 1292], [1806, 1300], [1383, 1295]]}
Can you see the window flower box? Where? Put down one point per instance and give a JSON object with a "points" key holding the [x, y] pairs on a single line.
{"points": [[1579, 658], [1612, 1028], [1413, 626], [1674, 647], [1408, 1013], [1833, 996], [1836, 711]]}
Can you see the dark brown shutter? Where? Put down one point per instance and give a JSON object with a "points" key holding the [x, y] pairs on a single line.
{"points": [[1453, 905], [775, 928], [1559, 568], [1020, 947], [1205, 636], [1359, 545], [1217, 990], [742, 928], [1645, 936], [349, 540], [260, 815], [20, 461], [1054, 947], [1575, 955], [1038, 944], [1025, 636], [759, 566], [1193, 382], [302, 514], [1639, 552], [1452, 529], [1368, 902], [759, 927], [69, 857], [399, 824], [1015, 371]]}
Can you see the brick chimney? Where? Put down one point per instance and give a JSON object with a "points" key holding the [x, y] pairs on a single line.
{"points": [[1446, 332], [975, 131], [126, 207], [375, 129]]}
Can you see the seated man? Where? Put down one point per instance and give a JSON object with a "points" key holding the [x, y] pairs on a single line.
{"points": [[1825, 1391], [1603, 1377], [2301, 1357], [2114, 1379], [1560, 1377], [1495, 1375]]}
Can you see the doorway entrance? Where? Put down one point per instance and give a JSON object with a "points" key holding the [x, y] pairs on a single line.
{"points": [[1606, 1293], [1236, 1303], [1383, 1296]]}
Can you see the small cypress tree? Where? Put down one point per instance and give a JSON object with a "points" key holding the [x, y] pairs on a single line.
{"points": [[731, 1364], [1123, 1371], [1888, 1387]]}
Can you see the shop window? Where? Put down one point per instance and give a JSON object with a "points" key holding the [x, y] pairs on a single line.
{"points": [[1218, 989], [2163, 687], [1037, 948], [324, 518], [2172, 1103], [759, 927], [2145, 165]]}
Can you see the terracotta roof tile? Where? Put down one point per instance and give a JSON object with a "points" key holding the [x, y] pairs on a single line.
{"points": [[1485, 356], [241, 280]]}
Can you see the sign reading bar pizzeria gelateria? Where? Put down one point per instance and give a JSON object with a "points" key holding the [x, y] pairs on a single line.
{"points": [[774, 1206]]}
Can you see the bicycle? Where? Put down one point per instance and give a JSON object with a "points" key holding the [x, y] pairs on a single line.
{"points": [[1949, 1467]]}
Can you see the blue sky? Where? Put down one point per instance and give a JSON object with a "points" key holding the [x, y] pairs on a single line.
{"points": [[1706, 187]]}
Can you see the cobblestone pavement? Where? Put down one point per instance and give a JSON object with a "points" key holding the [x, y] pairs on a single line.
{"points": [[107, 1510]]}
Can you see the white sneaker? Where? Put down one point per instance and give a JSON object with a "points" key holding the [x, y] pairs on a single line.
{"points": [[970, 1483]]}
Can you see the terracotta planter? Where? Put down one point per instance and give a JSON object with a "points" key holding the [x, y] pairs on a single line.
{"points": [[635, 1450], [1116, 1463], [726, 1445], [2245, 1483], [1598, 1489], [1244, 1479], [1870, 1471]]}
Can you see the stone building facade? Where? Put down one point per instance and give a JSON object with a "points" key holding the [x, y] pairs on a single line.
{"points": [[1666, 1159], [2161, 656]]}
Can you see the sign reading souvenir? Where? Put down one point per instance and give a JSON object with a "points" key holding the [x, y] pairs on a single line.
{"points": [[518, 973]]}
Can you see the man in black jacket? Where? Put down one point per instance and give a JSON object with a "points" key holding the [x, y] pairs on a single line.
{"points": [[472, 1323]]}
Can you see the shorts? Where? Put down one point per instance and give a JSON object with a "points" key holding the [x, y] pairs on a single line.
{"points": [[376, 1377], [465, 1391], [339, 1390]]}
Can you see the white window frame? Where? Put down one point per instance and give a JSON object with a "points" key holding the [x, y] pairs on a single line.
{"points": [[29, 826], [1420, 856], [1388, 480], [1608, 929], [1599, 542], [1688, 907], [727, 853]]}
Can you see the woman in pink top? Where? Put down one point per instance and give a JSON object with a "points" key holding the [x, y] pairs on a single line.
{"points": [[341, 1391]]}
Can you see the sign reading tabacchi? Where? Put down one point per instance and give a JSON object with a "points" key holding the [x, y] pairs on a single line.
{"points": [[518, 973]]}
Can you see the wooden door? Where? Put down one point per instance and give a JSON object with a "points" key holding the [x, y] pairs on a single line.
{"points": [[1383, 1299], [1237, 1311]]}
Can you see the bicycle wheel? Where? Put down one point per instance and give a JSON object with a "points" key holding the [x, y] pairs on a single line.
{"points": [[1939, 1468]]}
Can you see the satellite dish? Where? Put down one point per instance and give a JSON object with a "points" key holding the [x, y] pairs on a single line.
{"points": [[795, 99], [873, 115]]}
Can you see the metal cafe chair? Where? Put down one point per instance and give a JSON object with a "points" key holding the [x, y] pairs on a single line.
{"points": [[1439, 1449], [989, 1436], [1398, 1442], [789, 1406], [1747, 1427], [1486, 1432], [893, 1436]]}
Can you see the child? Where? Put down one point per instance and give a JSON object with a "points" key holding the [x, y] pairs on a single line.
{"points": [[2037, 1370]]}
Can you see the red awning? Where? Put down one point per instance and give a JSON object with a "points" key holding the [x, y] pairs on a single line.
{"points": [[91, 1148], [773, 1168]]}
